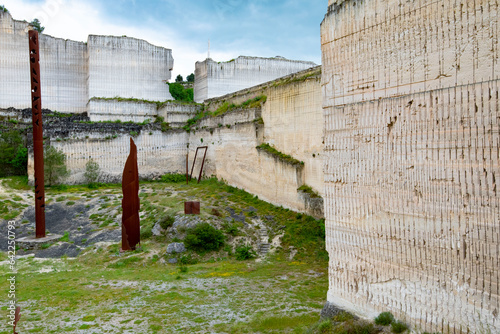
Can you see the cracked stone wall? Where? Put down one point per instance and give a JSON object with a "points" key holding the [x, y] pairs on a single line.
{"points": [[73, 72], [213, 79], [412, 144]]}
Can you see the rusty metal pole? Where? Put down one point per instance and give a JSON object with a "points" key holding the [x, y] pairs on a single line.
{"points": [[36, 108], [187, 168], [202, 163], [192, 167]]}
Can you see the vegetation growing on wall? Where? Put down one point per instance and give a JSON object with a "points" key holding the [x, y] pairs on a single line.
{"points": [[179, 93], [308, 190], [298, 78], [256, 102], [13, 153], [282, 156], [159, 104], [3, 9]]}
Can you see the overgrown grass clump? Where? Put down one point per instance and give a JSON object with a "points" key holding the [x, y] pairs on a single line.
{"points": [[282, 156], [308, 190], [243, 252], [173, 178], [384, 319], [204, 238], [224, 108]]}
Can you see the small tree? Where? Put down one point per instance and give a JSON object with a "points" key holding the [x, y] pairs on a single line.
{"points": [[91, 172], [179, 78], [36, 24], [190, 78], [54, 161], [179, 93], [3, 9]]}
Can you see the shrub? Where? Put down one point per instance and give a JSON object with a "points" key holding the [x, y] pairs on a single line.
{"points": [[179, 93], [13, 154], [231, 228], [179, 78], [398, 327], [146, 233], [91, 172], [204, 237], [384, 319], [54, 161], [166, 221], [244, 253], [187, 259], [325, 326], [190, 78], [2, 8], [65, 237], [183, 269], [173, 178]]}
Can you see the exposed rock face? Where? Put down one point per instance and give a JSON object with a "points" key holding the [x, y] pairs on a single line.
{"points": [[412, 139], [214, 79], [176, 247], [73, 72]]}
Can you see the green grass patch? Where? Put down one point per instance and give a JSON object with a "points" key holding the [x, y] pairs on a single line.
{"points": [[281, 156]]}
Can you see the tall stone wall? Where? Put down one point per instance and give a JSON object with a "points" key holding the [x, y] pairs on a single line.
{"points": [[213, 79], [129, 68], [63, 67], [412, 143], [73, 72]]}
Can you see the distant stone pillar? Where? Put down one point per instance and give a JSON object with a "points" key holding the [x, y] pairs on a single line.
{"points": [[36, 105], [130, 202]]}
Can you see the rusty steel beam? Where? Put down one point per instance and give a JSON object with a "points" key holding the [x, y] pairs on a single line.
{"points": [[187, 168], [130, 203], [194, 161], [202, 162], [36, 108]]}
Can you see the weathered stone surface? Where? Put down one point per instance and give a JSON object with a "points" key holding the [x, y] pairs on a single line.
{"points": [[172, 260], [157, 230], [412, 144], [176, 247], [73, 72], [213, 79]]}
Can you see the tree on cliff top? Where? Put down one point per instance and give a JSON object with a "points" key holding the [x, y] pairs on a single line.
{"points": [[36, 24], [3, 9], [190, 78], [179, 78]]}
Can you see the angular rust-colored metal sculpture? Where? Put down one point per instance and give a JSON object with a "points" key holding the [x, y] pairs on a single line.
{"points": [[17, 316], [36, 104], [202, 163], [192, 208], [130, 202]]}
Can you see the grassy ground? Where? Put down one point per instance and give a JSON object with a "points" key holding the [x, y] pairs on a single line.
{"points": [[105, 291]]}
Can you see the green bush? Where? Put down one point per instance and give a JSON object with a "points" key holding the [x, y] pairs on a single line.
{"points": [[166, 221], [13, 154], [398, 327], [190, 78], [54, 161], [384, 319], [173, 178], [91, 172], [146, 232], [231, 228], [204, 238], [36, 24], [179, 93], [244, 253], [187, 259]]}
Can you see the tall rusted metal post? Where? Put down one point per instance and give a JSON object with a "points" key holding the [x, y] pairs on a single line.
{"points": [[36, 104]]}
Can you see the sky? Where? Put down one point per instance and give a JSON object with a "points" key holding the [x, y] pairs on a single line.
{"points": [[261, 28]]}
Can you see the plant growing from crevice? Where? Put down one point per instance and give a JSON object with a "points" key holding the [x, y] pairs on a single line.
{"points": [[308, 190], [281, 156]]}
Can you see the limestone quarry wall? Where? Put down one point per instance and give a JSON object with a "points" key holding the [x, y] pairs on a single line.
{"points": [[73, 72], [129, 68], [412, 144], [63, 67], [213, 79], [292, 119]]}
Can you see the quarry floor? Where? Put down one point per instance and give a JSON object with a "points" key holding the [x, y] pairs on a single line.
{"points": [[83, 284]]}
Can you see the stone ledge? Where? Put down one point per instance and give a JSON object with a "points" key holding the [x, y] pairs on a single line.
{"points": [[33, 243]]}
